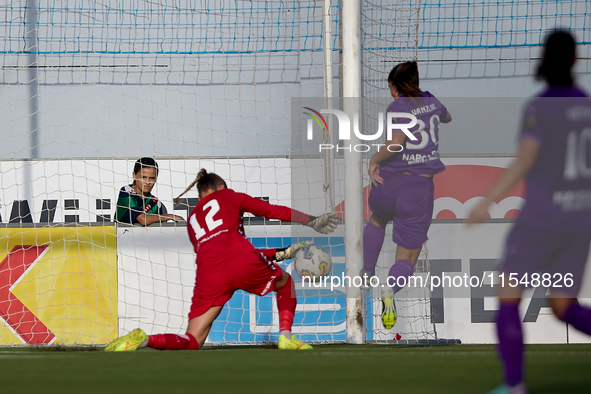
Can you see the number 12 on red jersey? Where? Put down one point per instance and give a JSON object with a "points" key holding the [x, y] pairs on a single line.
{"points": [[210, 223]]}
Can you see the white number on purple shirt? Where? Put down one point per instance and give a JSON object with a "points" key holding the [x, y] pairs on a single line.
{"points": [[424, 136], [577, 161]]}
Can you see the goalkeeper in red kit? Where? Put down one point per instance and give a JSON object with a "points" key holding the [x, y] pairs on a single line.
{"points": [[227, 261]]}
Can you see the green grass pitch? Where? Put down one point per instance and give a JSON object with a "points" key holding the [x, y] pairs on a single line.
{"points": [[326, 369]]}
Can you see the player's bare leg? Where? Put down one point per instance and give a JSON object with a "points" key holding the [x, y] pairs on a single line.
{"points": [[560, 303], [373, 238], [200, 326], [197, 332], [283, 281], [286, 305], [411, 255], [568, 309]]}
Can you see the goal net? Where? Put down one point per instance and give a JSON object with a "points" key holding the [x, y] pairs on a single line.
{"points": [[390, 32], [89, 87], [451, 41]]}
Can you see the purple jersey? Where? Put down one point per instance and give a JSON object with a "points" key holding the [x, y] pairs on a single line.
{"points": [[420, 156], [559, 185]]}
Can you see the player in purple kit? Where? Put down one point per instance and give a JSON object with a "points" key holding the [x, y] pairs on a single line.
{"points": [[402, 182], [551, 235]]}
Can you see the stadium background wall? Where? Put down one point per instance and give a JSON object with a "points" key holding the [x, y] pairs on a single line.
{"points": [[126, 80], [88, 87], [96, 280]]}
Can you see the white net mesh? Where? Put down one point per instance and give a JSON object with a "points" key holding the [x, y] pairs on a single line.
{"points": [[89, 87]]}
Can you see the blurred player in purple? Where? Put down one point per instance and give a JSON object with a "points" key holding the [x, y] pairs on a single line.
{"points": [[551, 235], [402, 182]]}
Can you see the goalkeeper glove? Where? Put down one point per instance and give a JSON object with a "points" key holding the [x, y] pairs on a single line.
{"points": [[324, 224], [290, 251]]}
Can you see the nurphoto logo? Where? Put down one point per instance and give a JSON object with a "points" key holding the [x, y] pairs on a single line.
{"points": [[345, 129]]}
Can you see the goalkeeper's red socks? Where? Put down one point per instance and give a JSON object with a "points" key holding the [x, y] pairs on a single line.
{"points": [[172, 342], [286, 305]]}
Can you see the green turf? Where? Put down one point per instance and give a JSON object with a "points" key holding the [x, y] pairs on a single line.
{"points": [[326, 369]]}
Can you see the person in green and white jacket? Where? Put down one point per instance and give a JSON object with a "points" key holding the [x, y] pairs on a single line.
{"points": [[136, 204]]}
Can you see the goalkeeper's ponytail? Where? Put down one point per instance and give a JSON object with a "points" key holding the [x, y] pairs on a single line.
{"points": [[204, 182]]}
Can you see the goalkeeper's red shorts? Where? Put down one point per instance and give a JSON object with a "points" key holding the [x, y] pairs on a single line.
{"points": [[216, 283]]}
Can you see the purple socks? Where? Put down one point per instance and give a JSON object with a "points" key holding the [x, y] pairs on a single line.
{"points": [[373, 238], [400, 269], [579, 317], [511, 336], [510, 342]]}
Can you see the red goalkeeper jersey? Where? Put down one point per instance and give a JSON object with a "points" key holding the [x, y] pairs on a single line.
{"points": [[215, 224]]}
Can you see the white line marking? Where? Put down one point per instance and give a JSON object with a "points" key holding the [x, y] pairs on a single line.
{"points": [[28, 269], [11, 329]]}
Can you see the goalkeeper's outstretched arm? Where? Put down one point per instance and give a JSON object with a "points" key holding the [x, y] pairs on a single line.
{"points": [[324, 224]]}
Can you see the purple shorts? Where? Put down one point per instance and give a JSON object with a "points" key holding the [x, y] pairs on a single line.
{"points": [[408, 201], [531, 250]]}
